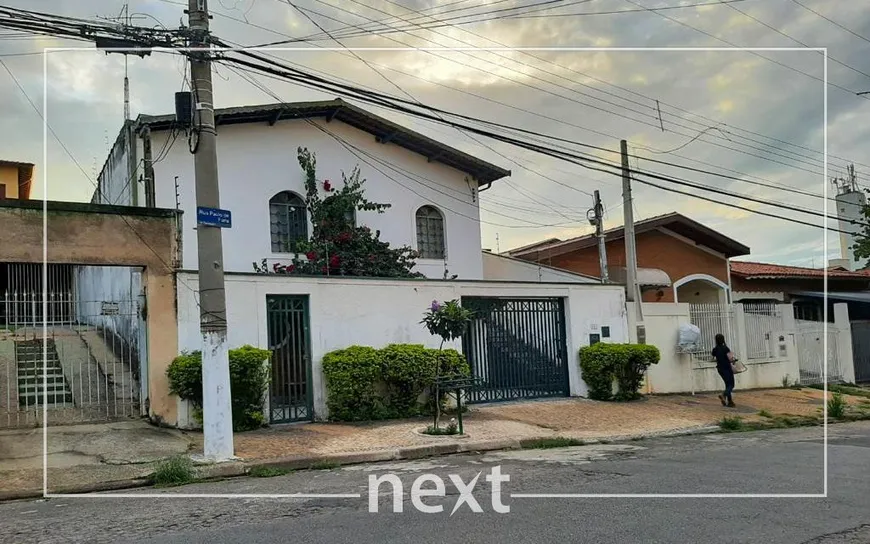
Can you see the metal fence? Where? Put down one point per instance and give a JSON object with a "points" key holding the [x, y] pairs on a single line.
{"points": [[762, 320], [55, 356], [713, 319]]}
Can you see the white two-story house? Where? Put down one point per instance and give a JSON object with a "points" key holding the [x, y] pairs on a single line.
{"points": [[434, 193], [432, 188]]}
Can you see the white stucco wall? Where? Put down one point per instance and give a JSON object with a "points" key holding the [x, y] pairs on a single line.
{"points": [[680, 373], [346, 312], [501, 268], [256, 161], [119, 179]]}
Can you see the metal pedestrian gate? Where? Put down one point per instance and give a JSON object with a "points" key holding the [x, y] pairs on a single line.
{"points": [[516, 348], [861, 350], [290, 393]]}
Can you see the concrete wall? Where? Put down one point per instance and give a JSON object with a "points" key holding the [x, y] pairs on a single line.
{"points": [[502, 268], [256, 161], [682, 373], [108, 235], [97, 284], [119, 180], [346, 312]]}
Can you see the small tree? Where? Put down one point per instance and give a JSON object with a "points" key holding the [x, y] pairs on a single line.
{"points": [[861, 248], [337, 246], [448, 321]]}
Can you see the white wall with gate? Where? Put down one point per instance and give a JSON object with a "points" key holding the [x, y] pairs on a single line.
{"points": [[376, 312], [774, 346]]}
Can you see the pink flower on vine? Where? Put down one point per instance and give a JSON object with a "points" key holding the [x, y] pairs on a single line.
{"points": [[327, 186]]}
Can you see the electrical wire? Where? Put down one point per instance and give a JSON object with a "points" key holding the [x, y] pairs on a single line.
{"points": [[796, 157]]}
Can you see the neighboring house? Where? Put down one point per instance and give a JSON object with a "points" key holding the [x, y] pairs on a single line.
{"points": [[530, 320], [433, 188], [679, 259], [15, 179], [804, 287]]}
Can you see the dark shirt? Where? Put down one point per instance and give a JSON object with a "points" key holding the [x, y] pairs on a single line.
{"points": [[723, 364]]}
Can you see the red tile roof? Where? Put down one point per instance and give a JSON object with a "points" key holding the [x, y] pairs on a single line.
{"points": [[751, 270]]}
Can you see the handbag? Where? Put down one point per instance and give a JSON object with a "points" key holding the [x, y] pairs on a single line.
{"points": [[736, 366]]}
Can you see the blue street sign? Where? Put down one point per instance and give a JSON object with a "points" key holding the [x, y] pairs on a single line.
{"points": [[214, 217]]}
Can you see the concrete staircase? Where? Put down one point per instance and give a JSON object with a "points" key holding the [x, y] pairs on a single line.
{"points": [[40, 383]]}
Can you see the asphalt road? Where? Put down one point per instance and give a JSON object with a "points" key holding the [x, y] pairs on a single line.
{"points": [[783, 462]]}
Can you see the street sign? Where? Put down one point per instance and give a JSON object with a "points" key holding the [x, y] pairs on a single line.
{"points": [[214, 217]]}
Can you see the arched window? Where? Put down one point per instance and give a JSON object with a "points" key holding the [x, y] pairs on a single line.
{"points": [[288, 221], [430, 233]]}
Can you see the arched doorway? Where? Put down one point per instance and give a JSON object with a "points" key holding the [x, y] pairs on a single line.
{"points": [[701, 289]]}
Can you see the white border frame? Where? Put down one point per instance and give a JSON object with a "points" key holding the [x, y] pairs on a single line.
{"points": [[823, 50]]}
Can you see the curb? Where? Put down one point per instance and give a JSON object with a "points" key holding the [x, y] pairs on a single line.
{"points": [[306, 462]]}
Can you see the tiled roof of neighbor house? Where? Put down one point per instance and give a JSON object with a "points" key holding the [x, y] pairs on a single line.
{"points": [[25, 176], [750, 270], [674, 222], [384, 130]]}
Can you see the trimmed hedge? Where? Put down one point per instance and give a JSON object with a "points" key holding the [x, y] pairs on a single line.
{"points": [[249, 379], [365, 384], [626, 364]]}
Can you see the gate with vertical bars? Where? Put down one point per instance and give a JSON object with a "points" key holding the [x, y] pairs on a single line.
{"points": [[517, 348], [290, 391]]}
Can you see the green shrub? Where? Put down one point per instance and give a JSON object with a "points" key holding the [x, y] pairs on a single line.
{"points": [[626, 364], [365, 384], [837, 406], [249, 379]]}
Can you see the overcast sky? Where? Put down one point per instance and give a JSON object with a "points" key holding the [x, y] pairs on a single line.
{"points": [[732, 112]]}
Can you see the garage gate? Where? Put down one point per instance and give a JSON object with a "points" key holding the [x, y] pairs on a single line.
{"points": [[517, 348]]}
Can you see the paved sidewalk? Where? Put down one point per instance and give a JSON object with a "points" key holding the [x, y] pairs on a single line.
{"points": [[84, 455], [89, 457], [570, 418]]}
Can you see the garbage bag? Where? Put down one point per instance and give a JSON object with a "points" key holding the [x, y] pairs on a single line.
{"points": [[689, 335]]}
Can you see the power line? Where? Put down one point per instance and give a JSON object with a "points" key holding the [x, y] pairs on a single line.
{"points": [[797, 41], [528, 132], [799, 158], [585, 163], [831, 21], [732, 44]]}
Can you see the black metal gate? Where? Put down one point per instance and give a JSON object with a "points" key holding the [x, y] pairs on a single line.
{"points": [[516, 348], [861, 350], [290, 396]]}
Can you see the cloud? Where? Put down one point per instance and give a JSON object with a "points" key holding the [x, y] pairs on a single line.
{"points": [[773, 115]]}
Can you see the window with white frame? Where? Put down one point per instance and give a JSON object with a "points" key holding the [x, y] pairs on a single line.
{"points": [[430, 233], [288, 221]]}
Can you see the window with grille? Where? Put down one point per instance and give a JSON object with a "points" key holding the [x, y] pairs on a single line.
{"points": [[288, 221], [430, 233]]}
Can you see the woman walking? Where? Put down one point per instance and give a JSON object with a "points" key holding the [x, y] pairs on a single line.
{"points": [[722, 354]]}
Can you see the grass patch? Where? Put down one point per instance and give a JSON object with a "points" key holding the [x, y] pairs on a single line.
{"points": [[548, 443], [765, 413], [850, 390], [268, 472], [172, 472], [323, 465], [731, 423]]}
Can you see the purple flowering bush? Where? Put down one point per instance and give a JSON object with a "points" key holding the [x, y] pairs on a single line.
{"points": [[448, 320]]}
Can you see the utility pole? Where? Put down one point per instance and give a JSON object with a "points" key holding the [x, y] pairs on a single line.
{"points": [[628, 214], [597, 221], [216, 398], [632, 292]]}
